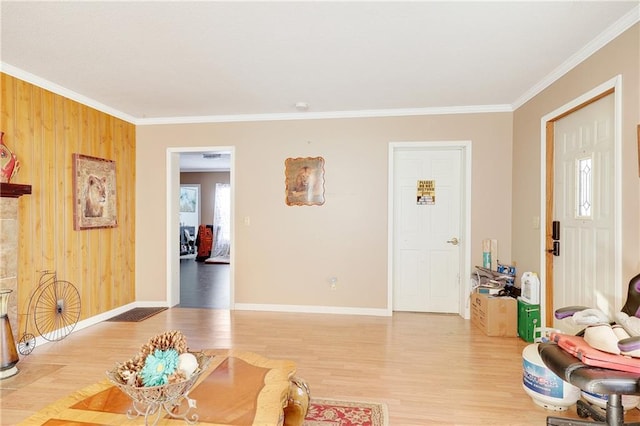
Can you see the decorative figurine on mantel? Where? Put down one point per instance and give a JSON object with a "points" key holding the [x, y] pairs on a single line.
{"points": [[9, 163]]}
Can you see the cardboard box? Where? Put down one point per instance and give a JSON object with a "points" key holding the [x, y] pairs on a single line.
{"points": [[495, 316]]}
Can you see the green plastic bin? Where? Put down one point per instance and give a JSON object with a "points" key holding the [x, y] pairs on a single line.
{"points": [[528, 320]]}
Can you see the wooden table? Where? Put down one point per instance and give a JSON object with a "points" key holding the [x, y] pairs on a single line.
{"points": [[238, 388]]}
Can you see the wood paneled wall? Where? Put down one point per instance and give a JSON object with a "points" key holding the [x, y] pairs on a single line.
{"points": [[44, 130]]}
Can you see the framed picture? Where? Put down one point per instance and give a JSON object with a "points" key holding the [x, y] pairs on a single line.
{"points": [[304, 181], [188, 199], [94, 193], [190, 204]]}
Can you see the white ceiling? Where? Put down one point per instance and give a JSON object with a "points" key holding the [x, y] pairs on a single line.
{"points": [[153, 62]]}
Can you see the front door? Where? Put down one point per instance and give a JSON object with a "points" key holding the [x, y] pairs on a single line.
{"points": [[583, 204], [426, 255]]}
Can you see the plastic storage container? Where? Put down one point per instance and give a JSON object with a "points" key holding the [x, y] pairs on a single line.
{"points": [[530, 288], [542, 385], [528, 320]]}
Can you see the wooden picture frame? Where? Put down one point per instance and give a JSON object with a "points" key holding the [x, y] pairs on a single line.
{"points": [[304, 181], [94, 193]]}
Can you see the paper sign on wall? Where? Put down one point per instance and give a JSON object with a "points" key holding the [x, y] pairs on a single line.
{"points": [[426, 192]]}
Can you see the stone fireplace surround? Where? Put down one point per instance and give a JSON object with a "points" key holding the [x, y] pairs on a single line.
{"points": [[9, 246]]}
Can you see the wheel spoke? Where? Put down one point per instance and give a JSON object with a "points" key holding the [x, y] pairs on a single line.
{"points": [[57, 310], [26, 344]]}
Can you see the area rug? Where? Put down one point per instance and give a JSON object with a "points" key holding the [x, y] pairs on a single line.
{"points": [[136, 314], [329, 412]]}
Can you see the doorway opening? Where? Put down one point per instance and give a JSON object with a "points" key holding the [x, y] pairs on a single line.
{"points": [[194, 280]]}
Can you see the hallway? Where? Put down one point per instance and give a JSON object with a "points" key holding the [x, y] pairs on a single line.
{"points": [[204, 285]]}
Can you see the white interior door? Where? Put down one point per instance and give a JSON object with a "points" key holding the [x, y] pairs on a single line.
{"points": [[426, 254], [584, 189]]}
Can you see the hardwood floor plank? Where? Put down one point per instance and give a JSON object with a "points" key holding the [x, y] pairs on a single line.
{"points": [[428, 368]]}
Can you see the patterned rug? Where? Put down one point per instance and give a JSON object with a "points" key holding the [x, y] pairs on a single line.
{"points": [[329, 412]]}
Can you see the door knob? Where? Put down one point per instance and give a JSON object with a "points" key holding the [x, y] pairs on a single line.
{"points": [[556, 249], [453, 241]]}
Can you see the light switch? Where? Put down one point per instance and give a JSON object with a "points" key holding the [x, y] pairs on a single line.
{"points": [[535, 221], [247, 220]]}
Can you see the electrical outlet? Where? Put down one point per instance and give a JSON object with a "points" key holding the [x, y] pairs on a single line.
{"points": [[333, 281]]}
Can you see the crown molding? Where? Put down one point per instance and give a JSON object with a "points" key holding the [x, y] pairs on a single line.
{"points": [[63, 91], [620, 26], [400, 112], [472, 109], [600, 41]]}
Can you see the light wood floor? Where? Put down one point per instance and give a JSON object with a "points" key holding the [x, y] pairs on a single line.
{"points": [[428, 368]]}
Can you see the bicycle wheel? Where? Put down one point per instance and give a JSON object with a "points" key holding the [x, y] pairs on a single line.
{"points": [[57, 310], [26, 344]]}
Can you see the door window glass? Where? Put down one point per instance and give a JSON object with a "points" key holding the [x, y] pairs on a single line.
{"points": [[584, 187]]}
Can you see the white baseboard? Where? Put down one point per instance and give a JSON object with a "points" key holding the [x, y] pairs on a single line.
{"points": [[88, 322], [313, 309]]}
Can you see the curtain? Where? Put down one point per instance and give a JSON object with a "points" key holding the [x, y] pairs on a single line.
{"points": [[221, 220]]}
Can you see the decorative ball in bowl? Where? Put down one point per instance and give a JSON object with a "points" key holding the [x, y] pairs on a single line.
{"points": [[160, 376]]}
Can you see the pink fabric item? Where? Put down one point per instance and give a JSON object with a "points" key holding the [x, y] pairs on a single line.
{"points": [[578, 347]]}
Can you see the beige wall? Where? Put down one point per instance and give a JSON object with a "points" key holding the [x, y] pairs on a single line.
{"points": [[287, 254], [207, 181], [621, 56]]}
